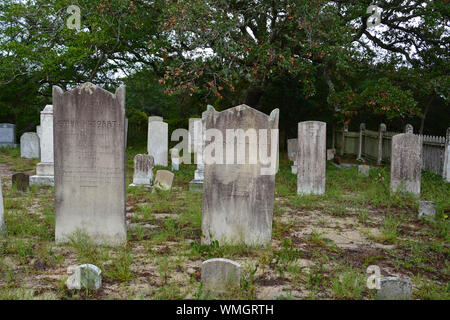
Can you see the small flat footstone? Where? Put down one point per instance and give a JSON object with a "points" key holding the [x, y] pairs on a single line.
{"points": [[394, 288], [85, 276], [221, 275]]}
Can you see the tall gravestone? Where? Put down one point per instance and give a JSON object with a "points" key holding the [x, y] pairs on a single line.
{"points": [[238, 195], [311, 157], [45, 169], [196, 185], [362, 128], [195, 126], [158, 140], [143, 170], [90, 163], [29, 146], [406, 163], [292, 149], [2, 210], [381, 131], [447, 157], [7, 135]]}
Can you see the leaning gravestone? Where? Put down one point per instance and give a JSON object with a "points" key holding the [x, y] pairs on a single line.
{"points": [[7, 135], [45, 169], [406, 163], [29, 146], [85, 276], [143, 170], [311, 159], [163, 180], [90, 163], [158, 140], [238, 192], [21, 181], [220, 275], [2, 210]]}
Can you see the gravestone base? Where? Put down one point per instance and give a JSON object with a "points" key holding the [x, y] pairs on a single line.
{"points": [[196, 185], [42, 181], [44, 175], [140, 185]]}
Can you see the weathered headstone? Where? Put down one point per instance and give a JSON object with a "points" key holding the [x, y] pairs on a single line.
{"points": [[21, 181], [292, 149], [330, 154], [29, 146], [90, 163], [2, 209], [175, 159], [7, 135], [381, 132], [406, 163], [220, 275], [45, 169], [446, 169], [427, 209], [238, 195], [362, 128], [85, 276], [394, 288], [363, 170], [158, 141], [311, 157], [195, 126], [163, 180], [143, 170]]}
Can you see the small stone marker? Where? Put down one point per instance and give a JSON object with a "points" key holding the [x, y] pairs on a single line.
{"points": [[221, 275], [311, 157], [143, 170], [330, 154], [363, 170], [90, 191], [394, 288], [7, 135], [45, 171], [29, 146], [163, 180], [427, 209], [2, 209], [21, 181], [406, 163], [85, 276], [175, 159], [294, 167], [157, 141]]}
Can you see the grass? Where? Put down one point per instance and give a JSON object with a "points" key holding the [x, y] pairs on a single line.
{"points": [[163, 255]]}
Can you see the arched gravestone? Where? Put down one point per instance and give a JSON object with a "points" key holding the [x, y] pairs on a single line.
{"points": [[406, 163], [29, 146], [311, 157], [90, 163], [238, 195]]}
